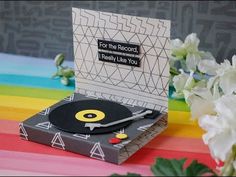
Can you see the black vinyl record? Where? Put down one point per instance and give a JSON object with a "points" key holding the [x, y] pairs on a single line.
{"points": [[72, 117]]}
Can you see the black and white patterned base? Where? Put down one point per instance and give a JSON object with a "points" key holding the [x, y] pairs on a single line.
{"points": [[39, 129]]}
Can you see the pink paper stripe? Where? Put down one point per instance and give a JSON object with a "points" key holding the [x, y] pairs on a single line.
{"points": [[9, 127], [21, 173], [65, 165]]}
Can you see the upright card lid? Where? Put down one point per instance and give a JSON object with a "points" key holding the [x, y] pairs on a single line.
{"points": [[122, 58]]}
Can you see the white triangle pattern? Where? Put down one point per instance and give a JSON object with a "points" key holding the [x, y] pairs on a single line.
{"points": [[70, 98], [57, 141], [23, 132], [96, 152], [44, 125], [45, 112], [82, 136], [144, 128], [122, 144]]}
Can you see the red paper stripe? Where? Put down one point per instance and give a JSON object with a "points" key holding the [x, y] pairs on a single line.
{"points": [[15, 143], [143, 156], [148, 156]]}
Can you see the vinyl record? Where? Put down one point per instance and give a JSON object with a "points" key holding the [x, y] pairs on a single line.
{"points": [[72, 117]]}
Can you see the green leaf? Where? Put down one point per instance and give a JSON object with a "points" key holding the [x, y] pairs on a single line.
{"points": [[165, 167], [198, 169], [68, 72], [59, 59], [65, 81], [54, 75], [174, 71], [128, 174], [60, 70]]}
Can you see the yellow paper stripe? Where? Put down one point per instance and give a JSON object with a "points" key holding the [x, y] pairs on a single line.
{"points": [[181, 130], [17, 114], [180, 117]]}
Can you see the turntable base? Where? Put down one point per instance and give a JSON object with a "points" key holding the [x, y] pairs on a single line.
{"points": [[51, 126]]}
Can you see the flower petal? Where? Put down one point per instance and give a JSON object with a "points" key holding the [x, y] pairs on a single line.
{"points": [[178, 49], [208, 66], [206, 55], [176, 43], [199, 106], [179, 82], [219, 138], [178, 95], [190, 82], [191, 42], [226, 107], [234, 61], [225, 66], [203, 93], [212, 81], [211, 124], [221, 145], [192, 60], [228, 81]]}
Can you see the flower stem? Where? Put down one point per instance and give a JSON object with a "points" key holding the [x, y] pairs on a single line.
{"points": [[173, 71], [228, 168]]}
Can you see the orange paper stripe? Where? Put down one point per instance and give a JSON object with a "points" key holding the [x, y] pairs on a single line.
{"points": [[17, 114]]}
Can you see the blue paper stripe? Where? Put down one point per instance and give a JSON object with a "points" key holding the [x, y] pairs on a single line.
{"points": [[33, 81]]}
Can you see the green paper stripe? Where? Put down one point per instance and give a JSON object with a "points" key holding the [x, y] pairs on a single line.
{"points": [[57, 94], [178, 105], [34, 92]]}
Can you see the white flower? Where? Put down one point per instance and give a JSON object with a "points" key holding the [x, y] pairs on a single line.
{"points": [[178, 49], [188, 52], [227, 81], [192, 60], [197, 59], [225, 74], [208, 66], [221, 128], [191, 43], [182, 82], [201, 101]]}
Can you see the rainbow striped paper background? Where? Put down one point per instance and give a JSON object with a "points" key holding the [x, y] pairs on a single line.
{"points": [[26, 88]]}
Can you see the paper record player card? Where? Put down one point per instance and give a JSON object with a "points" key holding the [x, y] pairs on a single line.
{"points": [[121, 94], [122, 58]]}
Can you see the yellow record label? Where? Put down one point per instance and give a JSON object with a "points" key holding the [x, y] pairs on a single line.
{"points": [[90, 115]]}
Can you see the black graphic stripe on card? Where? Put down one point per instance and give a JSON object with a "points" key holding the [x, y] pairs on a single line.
{"points": [[118, 47], [120, 59]]}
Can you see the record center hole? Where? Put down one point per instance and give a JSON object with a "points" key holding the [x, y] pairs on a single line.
{"points": [[90, 115]]}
